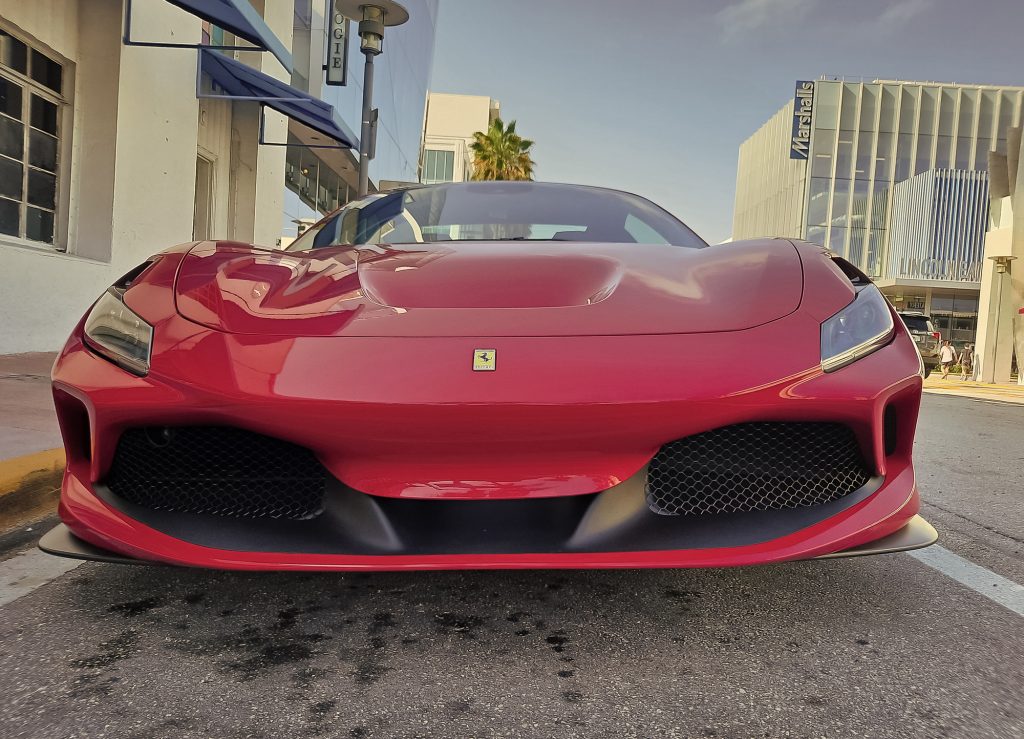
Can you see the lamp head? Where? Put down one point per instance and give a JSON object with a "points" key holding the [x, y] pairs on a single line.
{"points": [[371, 30], [373, 16]]}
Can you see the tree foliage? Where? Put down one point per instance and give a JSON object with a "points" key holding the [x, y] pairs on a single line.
{"points": [[501, 154]]}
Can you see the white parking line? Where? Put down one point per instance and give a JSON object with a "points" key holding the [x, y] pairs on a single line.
{"points": [[994, 587], [25, 572]]}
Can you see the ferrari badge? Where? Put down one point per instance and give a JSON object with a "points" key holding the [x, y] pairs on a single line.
{"points": [[484, 360]]}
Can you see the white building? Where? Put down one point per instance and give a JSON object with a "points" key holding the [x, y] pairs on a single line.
{"points": [[112, 151], [827, 168], [451, 122]]}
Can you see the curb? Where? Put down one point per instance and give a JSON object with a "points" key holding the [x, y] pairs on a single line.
{"points": [[29, 486], [1004, 398]]}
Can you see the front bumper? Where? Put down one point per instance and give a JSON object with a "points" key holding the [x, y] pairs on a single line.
{"points": [[407, 433]]}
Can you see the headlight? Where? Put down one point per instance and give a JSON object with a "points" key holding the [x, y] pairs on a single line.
{"points": [[114, 331], [857, 330]]}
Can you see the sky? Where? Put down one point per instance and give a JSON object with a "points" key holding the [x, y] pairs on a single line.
{"points": [[656, 96]]}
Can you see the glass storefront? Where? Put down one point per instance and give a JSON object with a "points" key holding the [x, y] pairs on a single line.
{"points": [[955, 315]]}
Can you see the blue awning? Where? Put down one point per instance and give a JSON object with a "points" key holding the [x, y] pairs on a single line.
{"points": [[242, 82], [240, 18]]}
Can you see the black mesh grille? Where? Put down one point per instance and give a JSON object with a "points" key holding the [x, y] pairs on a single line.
{"points": [[755, 467], [219, 471]]}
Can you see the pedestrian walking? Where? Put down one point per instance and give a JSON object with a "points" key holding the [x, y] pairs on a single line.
{"points": [[967, 362], [947, 355]]}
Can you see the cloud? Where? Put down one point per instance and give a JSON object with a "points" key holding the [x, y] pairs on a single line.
{"points": [[902, 11], [746, 16]]}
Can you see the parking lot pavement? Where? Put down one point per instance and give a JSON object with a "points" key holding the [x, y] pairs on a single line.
{"points": [[873, 647], [969, 459], [876, 647]]}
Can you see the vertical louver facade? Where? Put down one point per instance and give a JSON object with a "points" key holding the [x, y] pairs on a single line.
{"points": [[937, 227]]}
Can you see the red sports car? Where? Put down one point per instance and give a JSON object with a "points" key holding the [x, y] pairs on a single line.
{"points": [[489, 375]]}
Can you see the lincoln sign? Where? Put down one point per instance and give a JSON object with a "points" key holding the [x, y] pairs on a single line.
{"points": [[938, 269], [803, 109]]}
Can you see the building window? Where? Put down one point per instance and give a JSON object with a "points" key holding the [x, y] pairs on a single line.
{"points": [[844, 154], [883, 156], [904, 150], [202, 217], [837, 240], [963, 152], [862, 164], [924, 153], [983, 146], [816, 235], [438, 166], [943, 146], [30, 112], [823, 143], [840, 202], [817, 201], [873, 262], [855, 249]]}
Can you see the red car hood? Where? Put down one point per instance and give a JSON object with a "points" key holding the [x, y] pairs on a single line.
{"points": [[489, 289]]}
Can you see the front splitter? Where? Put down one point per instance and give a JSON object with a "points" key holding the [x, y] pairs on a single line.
{"points": [[60, 542], [916, 534]]}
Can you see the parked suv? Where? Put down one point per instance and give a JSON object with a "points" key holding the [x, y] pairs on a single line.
{"points": [[925, 336]]}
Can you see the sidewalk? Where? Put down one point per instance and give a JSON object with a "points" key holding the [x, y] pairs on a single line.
{"points": [[1004, 392], [31, 454], [27, 420]]}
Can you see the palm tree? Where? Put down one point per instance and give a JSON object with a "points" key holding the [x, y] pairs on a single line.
{"points": [[501, 154]]}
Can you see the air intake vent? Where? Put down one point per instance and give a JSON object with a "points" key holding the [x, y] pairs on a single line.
{"points": [[127, 280], [858, 278], [219, 471], [755, 467]]}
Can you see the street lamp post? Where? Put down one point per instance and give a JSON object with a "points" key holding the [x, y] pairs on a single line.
{"points": [[374, 16]]}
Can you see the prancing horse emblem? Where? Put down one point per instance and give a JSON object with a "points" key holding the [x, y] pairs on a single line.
{"points": [[484, 360]]}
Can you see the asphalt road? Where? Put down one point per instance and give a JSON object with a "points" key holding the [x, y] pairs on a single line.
{"points": [[872, 647]]}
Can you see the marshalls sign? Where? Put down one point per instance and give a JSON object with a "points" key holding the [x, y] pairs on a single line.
{"points": [[803, 109]]}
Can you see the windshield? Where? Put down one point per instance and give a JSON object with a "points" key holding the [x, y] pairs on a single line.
{"points": [[918, 324], [499, 211]]}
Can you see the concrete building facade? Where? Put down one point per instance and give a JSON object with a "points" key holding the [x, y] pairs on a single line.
{"points": [[1000, 344], [826, 168], [451, 122], [108, 155]]}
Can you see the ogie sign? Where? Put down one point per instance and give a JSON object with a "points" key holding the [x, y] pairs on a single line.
{"points": [[803, 108], [337, 46]]}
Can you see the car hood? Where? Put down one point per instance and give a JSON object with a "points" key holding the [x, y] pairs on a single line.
{"points": [[483, 289]]}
